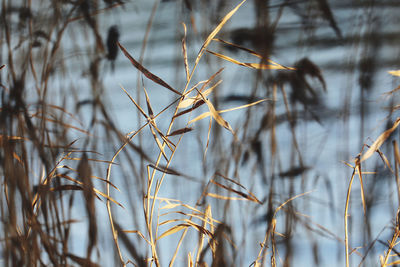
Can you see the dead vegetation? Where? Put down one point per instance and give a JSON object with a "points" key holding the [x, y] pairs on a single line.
{"points": [[189, 185]]}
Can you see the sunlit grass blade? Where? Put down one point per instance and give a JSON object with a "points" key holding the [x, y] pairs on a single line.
{"points": [[381, 139], [218, 196], [384, 159], [230, 189], [208, 139], [216, 116], [238, 184], [259, 66], [214, 33], [358, 169], [159, 144], [208, 113], [149, 108], [173, 230], [184, 52], [208, 215], [197, 216], [107, 197], [198, 104], [243, 106], [193, 100], [138, 233], [182, 226], [200, 117]]}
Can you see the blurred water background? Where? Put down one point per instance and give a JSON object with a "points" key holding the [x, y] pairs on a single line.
{"points": [[342, 50]]}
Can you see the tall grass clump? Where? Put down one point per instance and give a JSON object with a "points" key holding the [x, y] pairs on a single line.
{"points": [[113, 155]]}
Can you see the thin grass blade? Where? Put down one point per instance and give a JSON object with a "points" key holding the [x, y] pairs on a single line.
{"points": [[146, 72], [381, 139]]}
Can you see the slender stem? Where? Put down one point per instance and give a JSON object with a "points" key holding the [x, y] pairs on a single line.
{"points": [[346, 234]]}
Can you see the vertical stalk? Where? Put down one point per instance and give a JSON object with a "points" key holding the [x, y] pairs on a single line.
{"points": [[346, 234]]}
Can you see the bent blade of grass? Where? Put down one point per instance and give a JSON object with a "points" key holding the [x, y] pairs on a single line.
{"points": [[205, 83], [258, 66], [134, 102], [196, 211], [165, 170], [208, 113], [108, 197], [95, 160], [208, 139], [160, 146], [253, 53], [243, 106], [238, 184], [238, 47], [96, 191], [218, 196], [146, 72], [200, 117], [180, 131], [201, 216], [173, 230], [208, 216], [138, 233], [184, 52], [170, 206], [179, 227], [230, 189], [193, 100], [291, 199], [215, 114], [79, 182], [195, 106], [381, 139], [384, 159], [149, 108], [214, 33], [358, 170]]}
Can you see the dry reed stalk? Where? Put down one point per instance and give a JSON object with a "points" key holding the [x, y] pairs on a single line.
{"points": [[346, 214]]}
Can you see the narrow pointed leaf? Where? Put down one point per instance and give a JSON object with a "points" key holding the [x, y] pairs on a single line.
{"points": [[381, 139], [181, 131], [193, 100], [147, 73], [173, 230], [196, 105], [184, 51], [263, 66], [218, 28], [200, 117]]}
